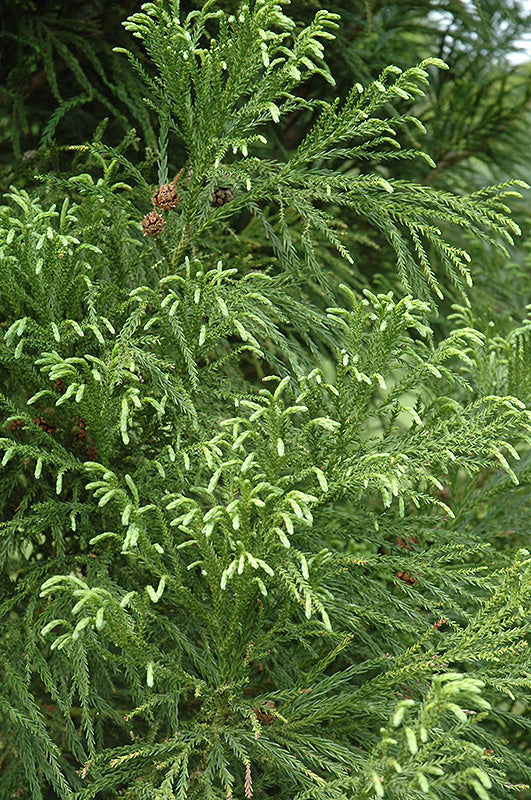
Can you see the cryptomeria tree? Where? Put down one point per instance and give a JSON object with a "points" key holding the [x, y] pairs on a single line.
{"points": [[260, 523]]}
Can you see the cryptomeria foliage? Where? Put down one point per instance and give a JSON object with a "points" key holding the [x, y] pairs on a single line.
{"points": [[252, 513], [55, 58]]}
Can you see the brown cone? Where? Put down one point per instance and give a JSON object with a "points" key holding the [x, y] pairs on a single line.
{"points": [[221, 196], [15, 425], [166, 197], [264, 716], [152, 224], [44, 425], [90, 454], [406, 577]]}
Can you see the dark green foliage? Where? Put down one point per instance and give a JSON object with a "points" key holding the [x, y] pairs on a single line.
{"points": [[263, 527], [56, 57]]}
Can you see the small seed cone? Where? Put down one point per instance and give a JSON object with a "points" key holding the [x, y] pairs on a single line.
{"points": [[263, 715], [166, 197], [90, 454], [15, 425], [152, 224], [221, 196], [44, 425], [406, 577]]}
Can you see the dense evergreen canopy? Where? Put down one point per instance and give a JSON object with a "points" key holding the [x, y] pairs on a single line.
{"points": [[265, 393]]}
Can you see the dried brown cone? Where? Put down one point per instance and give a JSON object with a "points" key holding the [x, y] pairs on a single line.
{"points": [[15, 425], [79, 433], [44, 425], [166, 197], [263, 716], [221, 196], [407, 543], [406, 577], [152, 224], [59, 386], [90, 454], [445, 494]]}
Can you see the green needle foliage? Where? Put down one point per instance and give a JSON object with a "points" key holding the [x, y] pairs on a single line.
{"points": [[55, 58], [254, 537]]}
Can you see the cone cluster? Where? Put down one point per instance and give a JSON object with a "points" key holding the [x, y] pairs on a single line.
{"points": [[165, 198], [221, 196]]}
